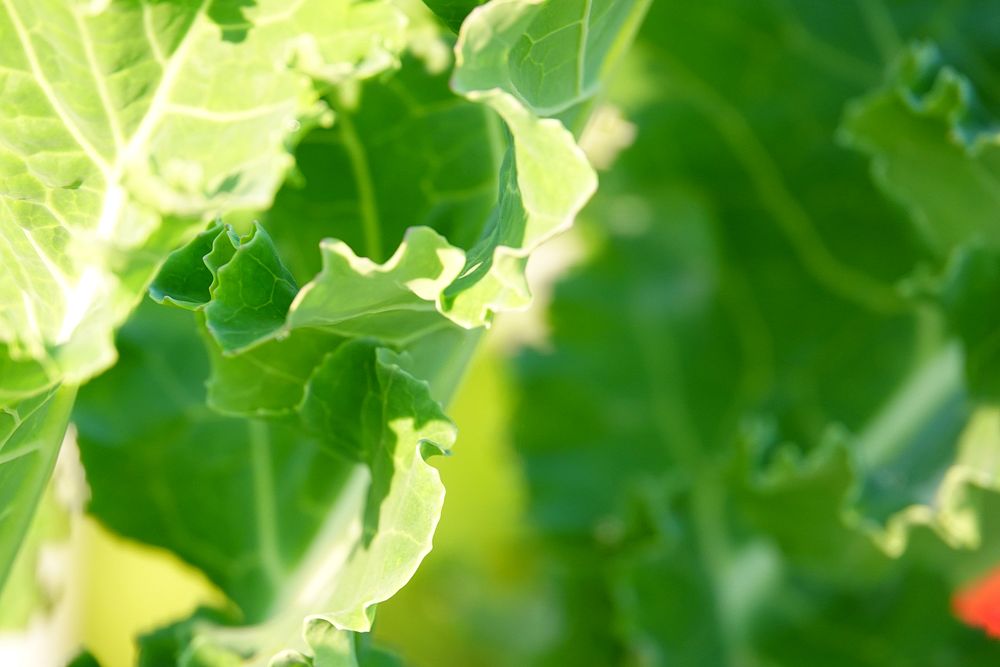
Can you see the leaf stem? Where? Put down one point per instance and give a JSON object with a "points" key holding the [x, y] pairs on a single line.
{"points": [[370, 226]]}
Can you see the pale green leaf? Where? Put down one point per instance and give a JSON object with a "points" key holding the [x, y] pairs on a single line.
{"points": [[125, 125], [30, 435]]}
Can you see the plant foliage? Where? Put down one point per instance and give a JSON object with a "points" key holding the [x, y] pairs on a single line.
{"points": [[380, 188], [248, 248]]}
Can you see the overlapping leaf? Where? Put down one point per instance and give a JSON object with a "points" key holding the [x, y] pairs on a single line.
{"points": [[543, 182], [405, 151], [532, 62], [321, 516], [123, 126], [544, 178], [30, 435]]}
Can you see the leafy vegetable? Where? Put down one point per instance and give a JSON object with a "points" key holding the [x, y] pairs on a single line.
{"points": [[343, 503], [761, 429]]}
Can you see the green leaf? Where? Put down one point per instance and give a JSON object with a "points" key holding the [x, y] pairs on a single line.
{"points": [[119, 141], [929, 132], [404, 152], [185, 277], [84, 659], [543, 182], [528, 61], [932, 149], [296, 477], [797, 502], [453, 12], [126, 124], [288, 520], [252, 292], [30, 435], [330, 647], [547, 56], [269, 334], [22, 378], [167, 645], [28, 592], [393, 301], [325, 646], [399, 300], [269, 379], [254, 298]]}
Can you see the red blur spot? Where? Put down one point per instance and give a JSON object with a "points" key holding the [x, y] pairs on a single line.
{"points": [[978, 604]]}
